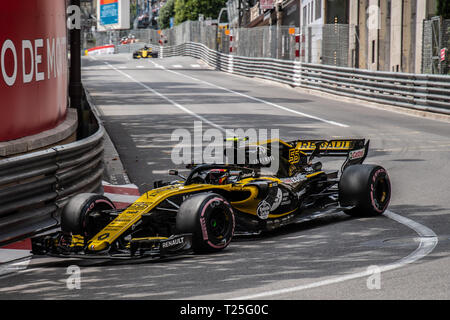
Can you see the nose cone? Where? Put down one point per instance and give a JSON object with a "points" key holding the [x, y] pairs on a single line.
{"points": [[97, 246]]}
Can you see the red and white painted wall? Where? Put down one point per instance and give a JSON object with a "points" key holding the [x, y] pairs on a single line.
{"points": [[33, 67], [108, 49]]}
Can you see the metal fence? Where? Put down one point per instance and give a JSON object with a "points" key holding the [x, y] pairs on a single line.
{"points": [[260, 42], [436, 36], [415, 91], [34, 187]]}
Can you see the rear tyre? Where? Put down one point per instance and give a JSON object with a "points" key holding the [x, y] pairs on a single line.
{"points": [[210, 219], [367, 188], [82, 214]]}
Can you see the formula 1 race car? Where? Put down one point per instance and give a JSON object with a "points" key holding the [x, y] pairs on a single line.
{"points": [[144, 53], [203, 211]]}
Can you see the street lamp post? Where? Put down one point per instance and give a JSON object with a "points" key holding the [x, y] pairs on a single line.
{"points": [[75, 87]]}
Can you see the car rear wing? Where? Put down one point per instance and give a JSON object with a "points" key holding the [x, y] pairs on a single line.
{"points": [[355, 150]]}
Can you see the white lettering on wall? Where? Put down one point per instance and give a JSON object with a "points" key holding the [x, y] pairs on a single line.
{"points": [[41, 59], [8, 45], [27, 45]]}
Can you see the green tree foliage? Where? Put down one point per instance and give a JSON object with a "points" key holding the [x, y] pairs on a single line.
{"points": [[166, 12], [132, 13], [191, 9], [443, 8]]}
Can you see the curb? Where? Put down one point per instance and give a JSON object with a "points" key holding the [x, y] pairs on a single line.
{"points": [[12, 254], [114, 172], [121, 195]]}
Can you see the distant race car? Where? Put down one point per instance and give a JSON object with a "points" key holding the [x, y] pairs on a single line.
{"points": [[144, 53], [203, 211]]}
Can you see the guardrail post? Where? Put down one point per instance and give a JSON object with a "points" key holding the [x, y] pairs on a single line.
{"points": [[297, 74], [75, 87], [230, 68]]}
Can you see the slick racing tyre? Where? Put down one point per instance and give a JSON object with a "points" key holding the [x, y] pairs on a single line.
{"points": [[367, 188], [82, 214], [210, 219]]}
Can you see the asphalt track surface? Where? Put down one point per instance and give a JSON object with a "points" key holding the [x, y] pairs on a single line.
{"points": [[143, 101]]}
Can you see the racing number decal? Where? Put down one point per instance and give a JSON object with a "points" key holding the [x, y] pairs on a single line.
{"points": [[294, 156]]}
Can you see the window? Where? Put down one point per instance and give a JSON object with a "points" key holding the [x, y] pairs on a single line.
{"points": [[373, 51], [304, 16], [318, 7], [309, 13]]}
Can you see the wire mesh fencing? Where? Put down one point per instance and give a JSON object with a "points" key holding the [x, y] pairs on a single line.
{"points": [[277, 42]]}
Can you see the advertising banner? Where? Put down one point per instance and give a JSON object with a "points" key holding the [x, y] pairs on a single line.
{"points": [[33, 67], [109, 12], [113, 15]]}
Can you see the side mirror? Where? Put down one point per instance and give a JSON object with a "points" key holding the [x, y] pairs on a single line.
{"points": [[174, 172]]}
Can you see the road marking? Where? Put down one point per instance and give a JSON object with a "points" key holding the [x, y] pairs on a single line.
{"points": [[428, 241], [175, 104], [140, 67], [195, 66], [257, 99], [15, 266], [178, 66]]}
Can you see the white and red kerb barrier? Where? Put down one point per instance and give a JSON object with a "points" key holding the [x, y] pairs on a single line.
{"points": [[108, 49], [121, 195], [15, 251]]}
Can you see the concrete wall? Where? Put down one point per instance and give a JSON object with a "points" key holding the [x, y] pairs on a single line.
{"points": [[353, 33], [396, 35], [362, 27], [384, 50], [373, 22]]}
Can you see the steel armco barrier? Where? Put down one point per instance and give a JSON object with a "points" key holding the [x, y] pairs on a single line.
{"points": [[35, 187], [416, 91]]}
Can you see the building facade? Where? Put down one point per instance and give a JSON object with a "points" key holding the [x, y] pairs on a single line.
{"points": [[389, 33]]}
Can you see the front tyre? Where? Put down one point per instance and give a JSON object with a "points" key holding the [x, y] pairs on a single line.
{"points": [[82, 215], [367, 188], [210, 219]]}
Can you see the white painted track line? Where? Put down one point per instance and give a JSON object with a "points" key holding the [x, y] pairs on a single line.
{"points": [[334, 123], [175, 104], [428, 241]]}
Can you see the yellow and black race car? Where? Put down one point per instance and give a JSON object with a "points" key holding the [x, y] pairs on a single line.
{"points": [[144, 53], [203, 211]]}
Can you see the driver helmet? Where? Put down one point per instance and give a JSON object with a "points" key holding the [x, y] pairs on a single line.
{"points": [[218, 176]]}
